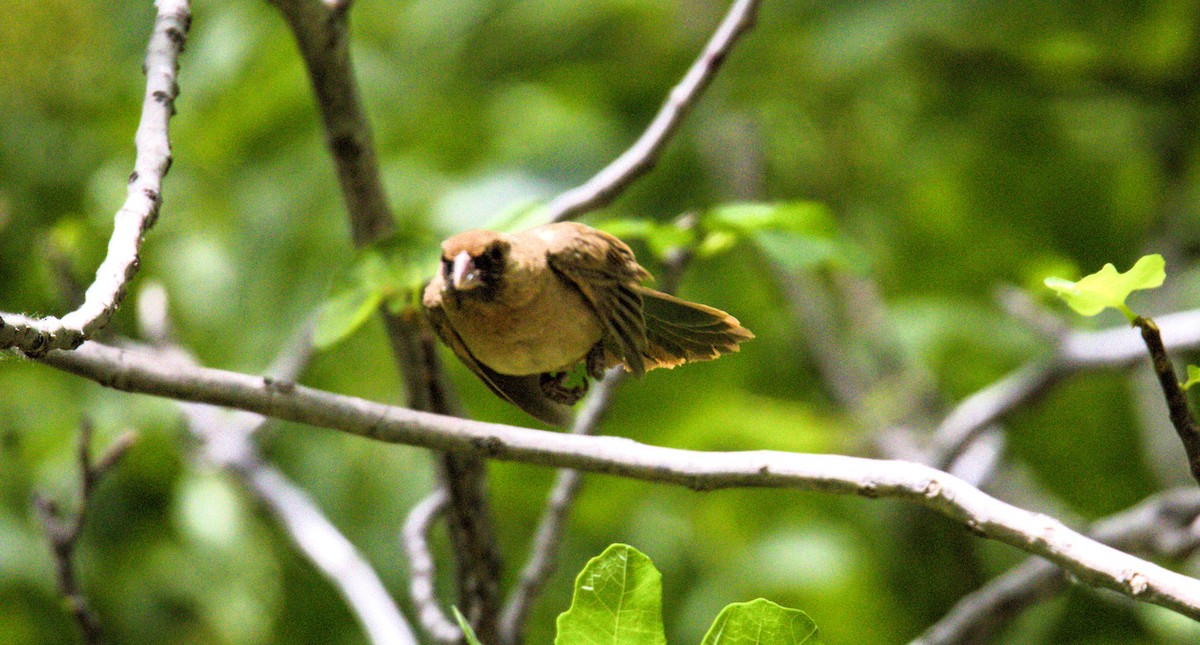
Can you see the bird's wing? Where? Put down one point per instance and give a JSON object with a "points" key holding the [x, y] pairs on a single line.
{"points": [[680, 331], [525, 392], [604, 271]]}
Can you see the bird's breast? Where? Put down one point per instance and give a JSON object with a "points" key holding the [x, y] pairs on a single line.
{"points": [[548, 332]]}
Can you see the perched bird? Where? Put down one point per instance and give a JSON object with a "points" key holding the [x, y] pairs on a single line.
{"points": [[522, 310]]}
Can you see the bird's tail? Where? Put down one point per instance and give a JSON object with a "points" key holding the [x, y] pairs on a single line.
{"points": [[678, 331]]}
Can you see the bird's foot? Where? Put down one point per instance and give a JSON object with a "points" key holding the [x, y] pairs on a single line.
{"points": [[554, 386]]}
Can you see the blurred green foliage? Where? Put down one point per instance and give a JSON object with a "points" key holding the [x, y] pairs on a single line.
{"points": [[953, 147]]}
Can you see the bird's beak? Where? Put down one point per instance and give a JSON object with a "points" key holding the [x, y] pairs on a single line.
{"points": [[463, 275]]}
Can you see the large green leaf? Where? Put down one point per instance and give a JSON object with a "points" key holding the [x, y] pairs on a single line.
{"points": [[618, 601], [761, 622]]}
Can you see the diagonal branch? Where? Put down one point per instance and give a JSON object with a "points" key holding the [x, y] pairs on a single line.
{"points": [[543, 552], [1161, 527], [226, 440], [1089, 561], [1178, 408], [35, 336], [644, 153], [1077, 351]]}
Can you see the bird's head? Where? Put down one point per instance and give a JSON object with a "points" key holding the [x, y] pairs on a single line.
{"points": [[474, 262]]}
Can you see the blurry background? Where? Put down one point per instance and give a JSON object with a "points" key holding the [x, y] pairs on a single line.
{"points": [[958, 146]]}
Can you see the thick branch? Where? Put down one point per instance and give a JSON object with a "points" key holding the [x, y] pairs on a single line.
{"points": [[644, 153], [1090, 561], [323, 37], [35, 336]]}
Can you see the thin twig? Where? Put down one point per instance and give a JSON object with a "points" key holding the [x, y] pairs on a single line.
{"points": [[143, 200], [422, 570], [1162, 526], [644, 153], [1177, 403], [1077, 351], [63, 533], [1035, 533]]}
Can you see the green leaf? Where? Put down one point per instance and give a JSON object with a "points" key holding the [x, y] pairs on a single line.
{"points": [[618, 599], [809, 218], [469, 633], [797, 236], [390, 271], [1108, 288], [660, 238], [1193, 374], [761, 622], [344, 312]]}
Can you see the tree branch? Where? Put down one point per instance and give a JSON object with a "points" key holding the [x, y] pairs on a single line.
{"points": [[35, 336], [63, 533], [1177, 404], [644, 153], [1076, 352], [422, 570], [1090, 561], [1161, 527], [320, 28], [333, 554]]}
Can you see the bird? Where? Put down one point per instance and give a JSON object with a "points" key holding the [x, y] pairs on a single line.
{"points": [[525, 310]]}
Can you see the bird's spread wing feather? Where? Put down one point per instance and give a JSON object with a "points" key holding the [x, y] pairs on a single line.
{"points": [[524, 392], [604, 271], [679, 331]]}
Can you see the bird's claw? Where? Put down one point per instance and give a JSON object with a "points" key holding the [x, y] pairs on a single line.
{"points": [[555, 388]]}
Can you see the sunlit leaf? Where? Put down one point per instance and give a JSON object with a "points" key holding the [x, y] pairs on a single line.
{"points": [[618, 599], [761, 622], [1108, 288]]}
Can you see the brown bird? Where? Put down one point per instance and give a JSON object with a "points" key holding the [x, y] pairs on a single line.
{"points": [[522, 310]]}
